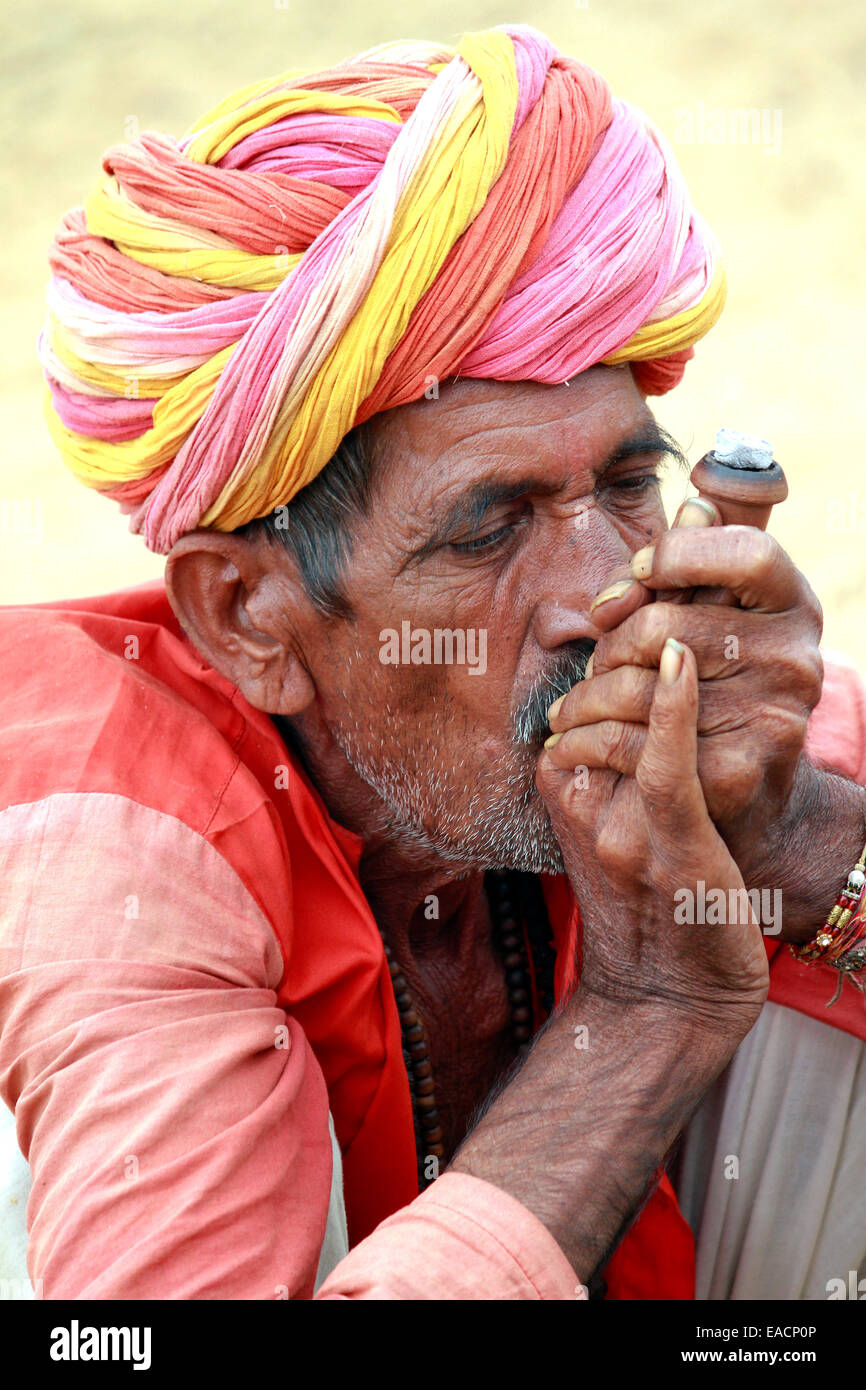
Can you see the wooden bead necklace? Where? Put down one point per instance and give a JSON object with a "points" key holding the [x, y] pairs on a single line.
{"points": [[521, 932]]}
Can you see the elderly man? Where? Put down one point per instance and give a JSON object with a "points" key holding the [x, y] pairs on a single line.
{"points": [[300, 916]]}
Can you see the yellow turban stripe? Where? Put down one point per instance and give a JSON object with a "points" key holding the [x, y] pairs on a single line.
{"points": [[94, 462], [671, 335], [450, 186], [239, 398], [176, 249], [227, 130]]}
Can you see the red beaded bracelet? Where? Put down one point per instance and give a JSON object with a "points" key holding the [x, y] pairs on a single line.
{"points": [[841, 941], [845, 910]]}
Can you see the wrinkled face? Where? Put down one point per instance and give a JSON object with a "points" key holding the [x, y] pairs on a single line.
{"points": [[498, 512]]}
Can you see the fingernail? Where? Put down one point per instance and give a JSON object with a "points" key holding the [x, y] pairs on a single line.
{"points": [[554, 708], [552, 741], [672, 661], [614, 591], [588, 672], [642, 563], [696, 512]]}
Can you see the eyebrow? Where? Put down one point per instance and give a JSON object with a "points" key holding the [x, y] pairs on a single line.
{"points": [[469, 510]]}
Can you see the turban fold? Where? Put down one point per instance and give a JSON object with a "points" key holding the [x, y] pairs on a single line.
{"points": [[322, 246]]}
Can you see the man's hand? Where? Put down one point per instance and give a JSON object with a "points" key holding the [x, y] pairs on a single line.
{"points": [[760, 677], [579, 1133], [630, 848]]}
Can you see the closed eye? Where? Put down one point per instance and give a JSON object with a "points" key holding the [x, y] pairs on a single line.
{"points": [[628, 490], [637, 483], [488, 541]]}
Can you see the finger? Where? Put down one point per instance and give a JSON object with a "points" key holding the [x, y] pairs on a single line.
{"points": [[694, 511], [720, 598], [611, 743], [697, 511], [580, 797], [715, 638], [621, 595], [667, 769], [624, 694], [618, 598], [740, 558]]}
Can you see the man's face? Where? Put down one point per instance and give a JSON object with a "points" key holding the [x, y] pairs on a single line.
{"points": [[497, 513]]}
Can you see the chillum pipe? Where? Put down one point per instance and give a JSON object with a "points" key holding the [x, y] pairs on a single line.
{"points": [[744, 483], [740, 477]]}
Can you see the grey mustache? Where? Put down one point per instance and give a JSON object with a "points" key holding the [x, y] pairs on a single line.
{"points": [[530, 720]]}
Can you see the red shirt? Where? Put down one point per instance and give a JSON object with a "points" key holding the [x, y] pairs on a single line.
{"points": [[129, 764]]}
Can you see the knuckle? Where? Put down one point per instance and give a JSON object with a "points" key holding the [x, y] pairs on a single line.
{"points": [[574, 807], [617, 741], [603, 650], [653, 622], [788, 733], [764, 554], [569, 750], [813, 609], [817, 682], [736, 779], [614, 852], [655, 779], [752, 554], [639, 686], [798, 673]]}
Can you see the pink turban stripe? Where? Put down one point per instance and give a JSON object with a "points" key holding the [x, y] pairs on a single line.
{"points": [[598, 278], [548, 155], [150, 340], [321, 245], [112, 419], [346, 164]]}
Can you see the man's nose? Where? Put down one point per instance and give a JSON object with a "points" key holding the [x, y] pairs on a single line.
{"points": [[585, 556]]}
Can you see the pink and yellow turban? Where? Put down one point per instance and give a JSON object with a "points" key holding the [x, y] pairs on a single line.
{"points": [[322, 246]]}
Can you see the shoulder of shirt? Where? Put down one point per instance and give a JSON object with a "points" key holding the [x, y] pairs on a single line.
{"points": [[107, 695]]}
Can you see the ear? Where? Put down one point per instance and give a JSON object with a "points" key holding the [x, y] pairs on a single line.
{"points": [[243, 606]]}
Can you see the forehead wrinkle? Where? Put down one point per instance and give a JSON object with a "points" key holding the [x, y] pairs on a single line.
{"points": [[490, 428], [559, 424]]}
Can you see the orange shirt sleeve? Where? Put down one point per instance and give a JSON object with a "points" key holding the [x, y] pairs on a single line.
{"points": [[175, 1120], [462, 1239]]}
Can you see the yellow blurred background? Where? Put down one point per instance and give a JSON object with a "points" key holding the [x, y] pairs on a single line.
{"points": [[784, 194]]}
